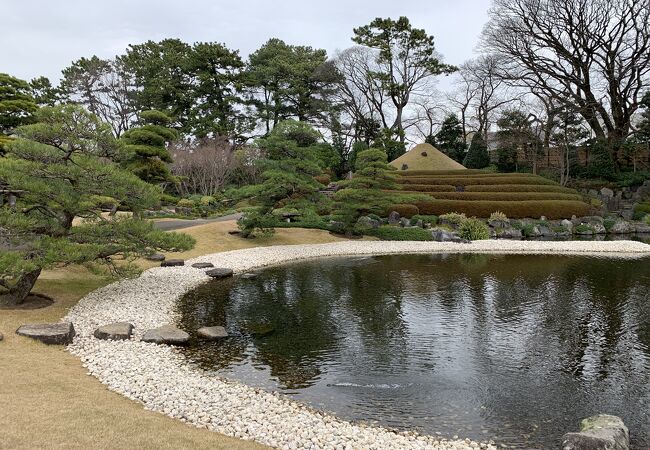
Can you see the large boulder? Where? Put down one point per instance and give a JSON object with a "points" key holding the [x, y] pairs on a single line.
{"points": [[219, 272], [167, 334], [404, 222], [446, 236], [567, 224], [49, 333], [600, 432], [393, 218], [641, 227], [118, 331], [622, 227], [172, 263], [212, 333], [508, 233], [367, 222]]}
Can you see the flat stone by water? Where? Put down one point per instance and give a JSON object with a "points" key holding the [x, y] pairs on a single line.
{"points": [[202, 265], [167, 334], [172, 263], [117, 331], [219, 273], [249, 276], [49, 333], [212, 333]]}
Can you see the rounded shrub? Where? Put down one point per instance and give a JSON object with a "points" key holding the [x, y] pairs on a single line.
{"points": [[453, 218], [474, 229], [185, 203]]}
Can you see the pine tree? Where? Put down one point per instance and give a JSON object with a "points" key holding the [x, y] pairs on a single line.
{"points": [[145, 150], [62, 169], [477, 155], [450, 138]]}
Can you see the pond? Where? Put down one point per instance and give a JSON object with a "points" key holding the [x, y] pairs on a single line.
{"points": [[512, 348]]}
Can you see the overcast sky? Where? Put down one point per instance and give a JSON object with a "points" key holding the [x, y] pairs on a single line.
{"points": [[41, 37]]}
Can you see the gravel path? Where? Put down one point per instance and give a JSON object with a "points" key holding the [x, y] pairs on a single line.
{"points": [[158, 376], [178, 224]]}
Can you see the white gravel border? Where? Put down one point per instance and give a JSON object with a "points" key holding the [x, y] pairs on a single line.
{"points": [[158, 377]]}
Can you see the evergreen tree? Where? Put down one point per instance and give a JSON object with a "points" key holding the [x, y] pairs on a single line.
{"points": [[477, 156], [450, 138], [62, 168], [145, 151], [17, 106], [600, 163]]}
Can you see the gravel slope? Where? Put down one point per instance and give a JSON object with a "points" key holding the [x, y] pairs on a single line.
{"points": [[158, 377]]}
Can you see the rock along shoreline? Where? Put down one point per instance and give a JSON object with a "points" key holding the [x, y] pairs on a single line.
{"points": [[159, 377]]}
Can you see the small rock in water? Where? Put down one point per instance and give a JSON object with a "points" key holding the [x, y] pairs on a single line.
{"points": [[212, 333], [172, 263], [219, 273], [167, 334], [117, 331], [202, 265], [49, 333]]}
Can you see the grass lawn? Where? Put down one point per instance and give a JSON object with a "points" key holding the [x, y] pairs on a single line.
{"points": [[46, 399]]}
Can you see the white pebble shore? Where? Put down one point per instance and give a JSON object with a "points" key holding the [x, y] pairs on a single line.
{"points": [[159, 378]]}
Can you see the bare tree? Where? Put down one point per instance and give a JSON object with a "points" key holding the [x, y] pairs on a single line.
{"points": [[105, 88], [203, 166], [591, 56]]}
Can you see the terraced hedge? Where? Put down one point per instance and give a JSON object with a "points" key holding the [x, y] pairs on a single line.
{"points": [[501, 196], [430, 188], [411, 173], [518, 188], [552, 209], [469, 181]]}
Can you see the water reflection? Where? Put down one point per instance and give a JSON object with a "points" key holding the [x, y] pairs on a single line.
{"points": [[517, 348]]}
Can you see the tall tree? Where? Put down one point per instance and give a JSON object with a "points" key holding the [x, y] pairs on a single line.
{"points": [[407, 59], [60, 167], [17, 106], [44, 93], [592, 56], [105, 88], [515, 134], [450, 138], [477, 156], [290, 82]]}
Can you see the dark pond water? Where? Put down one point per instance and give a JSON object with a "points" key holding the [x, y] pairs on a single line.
{"points": [[512, 348]]}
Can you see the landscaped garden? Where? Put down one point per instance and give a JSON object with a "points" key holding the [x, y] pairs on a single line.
{"points": [[202, 248]]}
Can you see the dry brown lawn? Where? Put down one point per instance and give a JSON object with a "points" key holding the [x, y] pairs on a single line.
{"points": [[48, 402]]}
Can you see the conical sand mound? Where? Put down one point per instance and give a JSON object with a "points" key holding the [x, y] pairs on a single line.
{"points": [[426, 157]]}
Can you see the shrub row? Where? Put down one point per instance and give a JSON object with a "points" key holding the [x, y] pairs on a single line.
{"points": [[414, 173], [552, 209], [431, 187], [468, 181], [390, 233], [503, 196], [518, 188], [467, 174]]}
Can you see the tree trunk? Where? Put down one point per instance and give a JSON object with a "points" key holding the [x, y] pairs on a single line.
{"points": [[17, 293]]}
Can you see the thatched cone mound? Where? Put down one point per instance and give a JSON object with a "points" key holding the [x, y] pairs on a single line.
{"points": [[425, 157]]}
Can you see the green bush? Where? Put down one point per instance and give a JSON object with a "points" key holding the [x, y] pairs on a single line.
{"points": [[646, 219], [453, 218], [609, 223], [185, 203], [640, 210], [583, 228], [407, 211], [519, 188], [390, 233], [503, 196], [498, 216], [432, 220], [552, 209], [474, 229]]}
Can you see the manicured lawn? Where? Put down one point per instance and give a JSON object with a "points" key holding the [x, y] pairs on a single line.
{"points": [[46, 399]]}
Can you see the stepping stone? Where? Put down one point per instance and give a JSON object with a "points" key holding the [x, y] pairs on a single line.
{"points": [[1, 336], [48, 333], [172, 263], [234, 232], [202, 265], [156, 257], [248, 276], [219, 273], [167, 334], [118, 331], [212, 333]]}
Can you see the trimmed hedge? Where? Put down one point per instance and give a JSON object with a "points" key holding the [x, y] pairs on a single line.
{"points": [[404, 210], [389, 233], [502, 196], [552, 209], [468, 181], [413, 173], [464, 174], [518, 188], [431, 188]]}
